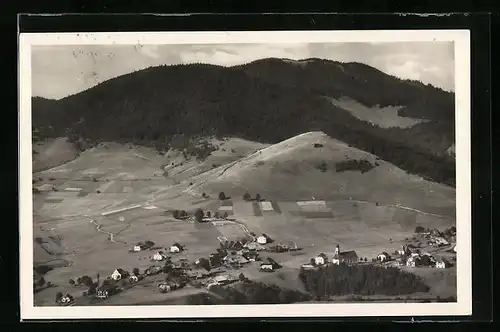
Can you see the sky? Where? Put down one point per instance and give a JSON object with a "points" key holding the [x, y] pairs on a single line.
{"points": [[59, 71]]}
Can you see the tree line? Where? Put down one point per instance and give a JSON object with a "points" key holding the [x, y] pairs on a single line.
{"points": [[360, 280]]}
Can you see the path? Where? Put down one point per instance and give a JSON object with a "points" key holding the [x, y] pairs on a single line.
{"points": [[399, 206], [98, 228]]}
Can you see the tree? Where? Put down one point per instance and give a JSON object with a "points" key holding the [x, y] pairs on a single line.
{"points": [[366, 259], [176, 214], [136, 271], [59, 295], [183, 214], [204, 263], [209, 214], [222, 196], [92, 289], [225, 216], [204, 195], [216, 215], [88, 281], [246, 196], [72, 282], [199, 215], [419, 229], [41, 282], [257, 197], [242, 277]]}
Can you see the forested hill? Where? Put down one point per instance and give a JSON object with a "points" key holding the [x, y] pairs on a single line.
{"points": [[268, 101]]}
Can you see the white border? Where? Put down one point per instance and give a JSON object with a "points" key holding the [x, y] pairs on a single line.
{"points": [[463, 306]]}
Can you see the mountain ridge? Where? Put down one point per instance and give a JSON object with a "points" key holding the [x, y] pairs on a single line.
{"points": [[259, 102]]}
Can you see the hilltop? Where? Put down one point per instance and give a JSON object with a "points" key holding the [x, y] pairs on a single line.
{"points": [[314, 165], [266, 101]]}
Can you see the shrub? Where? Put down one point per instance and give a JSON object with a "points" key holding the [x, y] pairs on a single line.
{"points": [[222, 196], [362, 165], [322, 166], [199, 215], [419, 229], [257, 197], [246, 196]]}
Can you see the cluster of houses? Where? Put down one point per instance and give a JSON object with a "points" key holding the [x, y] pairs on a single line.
{"points": [[345, 257], [414, 257], [204, 271]]}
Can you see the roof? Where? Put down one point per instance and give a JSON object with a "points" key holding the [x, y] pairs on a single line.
{"points": [[348, 254], [221, 278], [322, 255], [121, 271]]}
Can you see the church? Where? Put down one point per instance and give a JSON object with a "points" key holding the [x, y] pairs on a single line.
{"points": [[346, 257]]}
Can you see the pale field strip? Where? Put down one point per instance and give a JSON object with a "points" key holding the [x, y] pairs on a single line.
{"points": [[127, 189], [149, 207], [226, 208], [105, 186], [266, 206], [311, 203], [121, 210], [73, 189]]}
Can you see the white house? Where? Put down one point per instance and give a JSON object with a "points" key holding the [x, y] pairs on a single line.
{"points": [[119, 274], [382, 257], [410, 261], [164, 287], [102, 293], [159, 256], [441, 265], [175, 249], [133, 279], [67, 298], [137, 247], [321, 259], [262, 239], [266, 267]]}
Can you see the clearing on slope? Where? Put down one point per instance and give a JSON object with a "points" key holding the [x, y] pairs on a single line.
{"points": [[52, 152], [385, 117], [306, 167]]}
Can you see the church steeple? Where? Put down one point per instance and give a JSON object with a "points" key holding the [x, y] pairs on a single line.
{"points": [[337, 249]]}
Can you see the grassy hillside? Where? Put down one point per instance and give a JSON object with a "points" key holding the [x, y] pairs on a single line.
{"points": [[266, 101], [52, 152], [296, 170]]}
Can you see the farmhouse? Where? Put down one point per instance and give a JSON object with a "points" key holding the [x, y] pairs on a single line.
{"points": [[163, 286], [413, 261], [347, 257], [66, 299], [152, 270], [159, 256], [267, 267], [235, 259], [175, 249], [441, 264], [119, 274], [106, 290], [262, 239], [404, 251], [137, 248], [321, 259], [384, 256], [133, 279]]}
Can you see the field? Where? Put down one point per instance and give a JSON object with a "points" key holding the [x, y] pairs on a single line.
{"points": [[112, 197]]}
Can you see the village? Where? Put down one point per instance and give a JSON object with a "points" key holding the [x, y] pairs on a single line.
{"points": [[170, 271]]}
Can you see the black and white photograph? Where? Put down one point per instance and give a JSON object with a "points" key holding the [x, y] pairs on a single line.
{"points": [[245, 174]]}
